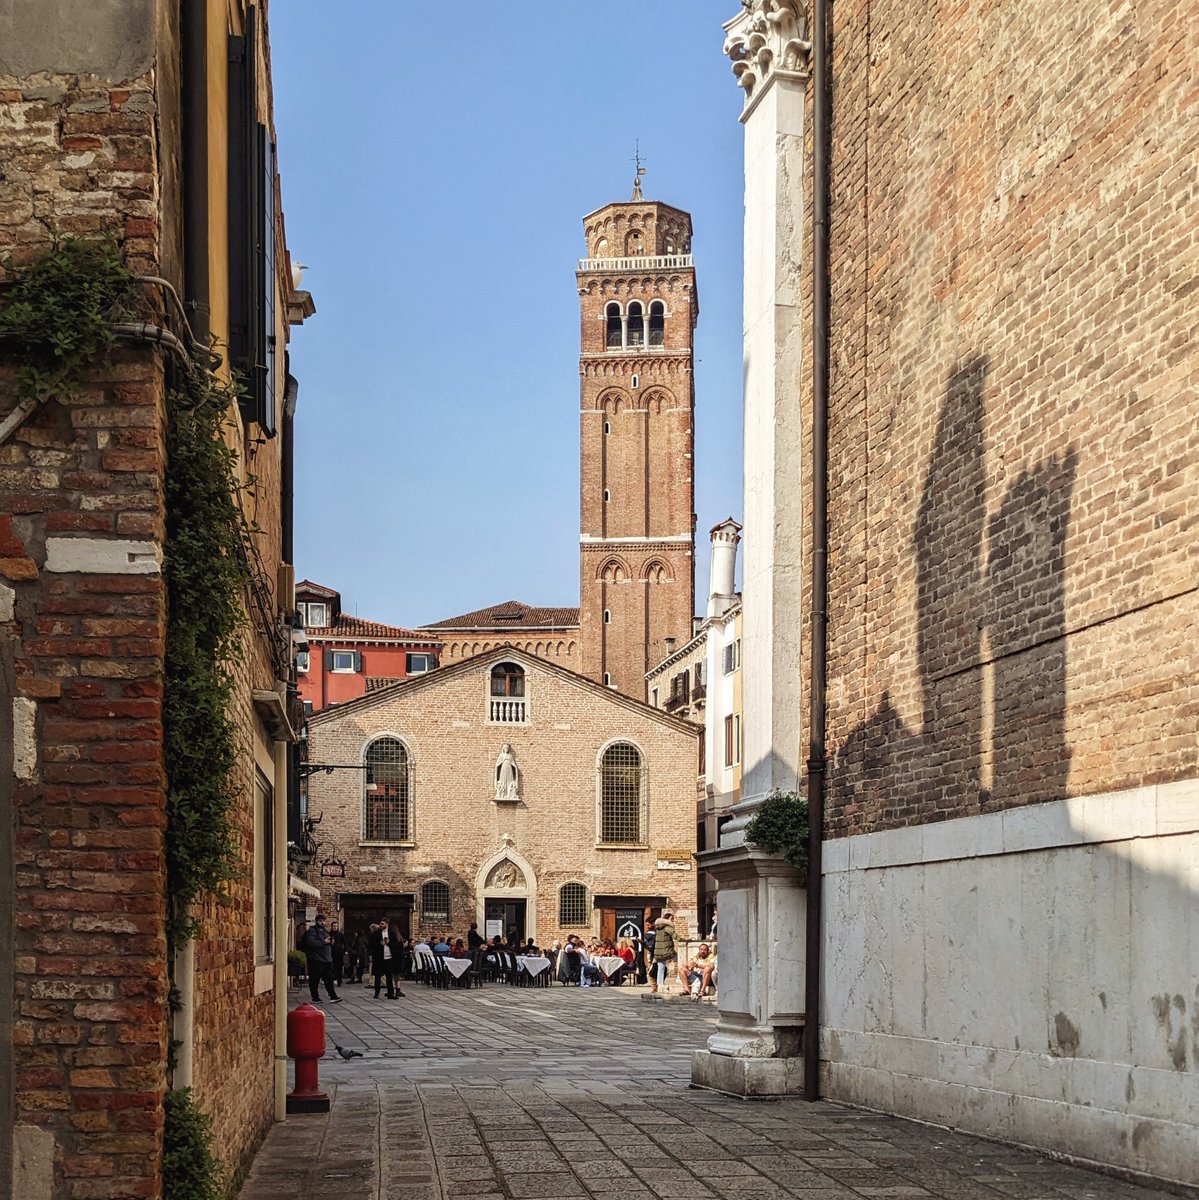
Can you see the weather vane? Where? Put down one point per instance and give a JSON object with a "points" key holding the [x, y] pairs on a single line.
{"points": [[640, 171]]}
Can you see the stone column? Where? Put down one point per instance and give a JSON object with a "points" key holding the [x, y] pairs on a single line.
{"points": [[762, 905]]}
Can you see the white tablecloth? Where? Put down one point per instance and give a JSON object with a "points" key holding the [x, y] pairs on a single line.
{"points": [[457, 966], [609, 964], [534, 964]]}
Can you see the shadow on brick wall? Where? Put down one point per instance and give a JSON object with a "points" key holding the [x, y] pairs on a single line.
{"points": [[990, 656]]}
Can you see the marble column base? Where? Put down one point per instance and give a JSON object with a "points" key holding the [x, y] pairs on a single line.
{"points": [[746, 1077]]}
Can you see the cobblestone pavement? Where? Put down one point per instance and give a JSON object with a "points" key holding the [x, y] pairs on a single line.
{"points": [[548, 1093]]}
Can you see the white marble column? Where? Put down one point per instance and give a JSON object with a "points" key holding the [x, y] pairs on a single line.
{"points": [[762, 904]]}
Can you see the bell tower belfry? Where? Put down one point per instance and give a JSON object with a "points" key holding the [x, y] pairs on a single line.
{"points": [[638, 305]]}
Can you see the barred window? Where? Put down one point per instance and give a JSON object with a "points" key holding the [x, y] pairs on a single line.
{"points": [[621, 802], [387, 806], [572, 904], [435, 903]]}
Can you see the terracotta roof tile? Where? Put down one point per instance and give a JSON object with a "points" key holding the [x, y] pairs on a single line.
{"points": [[351, 627], [510, 614]]}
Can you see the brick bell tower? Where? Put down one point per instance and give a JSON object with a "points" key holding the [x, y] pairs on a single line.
{"points": [[638, 305]]}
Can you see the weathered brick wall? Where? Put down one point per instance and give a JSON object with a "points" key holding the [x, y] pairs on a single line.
{"points": [[458, 825], [89, 964], [88, 798], [1015, 433]]}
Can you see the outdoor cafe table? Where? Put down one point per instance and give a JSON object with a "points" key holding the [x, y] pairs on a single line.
{"points": [[609, 964], [457, 966], [533, 963]]}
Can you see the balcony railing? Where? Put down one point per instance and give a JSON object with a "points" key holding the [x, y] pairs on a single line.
{"points": [[655, 262], [508, 711]]}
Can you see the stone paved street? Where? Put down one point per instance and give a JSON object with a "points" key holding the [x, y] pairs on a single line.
{"points": [[540, 1094]]}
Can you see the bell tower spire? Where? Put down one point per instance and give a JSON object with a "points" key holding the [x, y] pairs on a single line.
{"points": [[638, 305]]}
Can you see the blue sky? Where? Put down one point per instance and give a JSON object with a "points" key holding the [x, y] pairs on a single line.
{"points": [[436, 164]]}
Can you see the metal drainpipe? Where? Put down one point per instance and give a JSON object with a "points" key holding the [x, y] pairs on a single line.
{"points": [[819, 631], [194, 54]]}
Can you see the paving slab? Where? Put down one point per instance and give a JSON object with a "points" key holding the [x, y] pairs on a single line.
{"points": [[506, 1093]]}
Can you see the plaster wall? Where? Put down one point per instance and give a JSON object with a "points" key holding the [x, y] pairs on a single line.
{"points": [[773, 538], [1027, 974]]}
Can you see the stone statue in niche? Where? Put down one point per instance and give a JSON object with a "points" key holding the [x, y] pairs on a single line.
{"points": [[507, 775], [505, 875]]}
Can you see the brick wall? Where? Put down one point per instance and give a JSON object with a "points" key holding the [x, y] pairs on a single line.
{"points": [[88, 802], [1015, 439], [458, 825], [88, 954]]}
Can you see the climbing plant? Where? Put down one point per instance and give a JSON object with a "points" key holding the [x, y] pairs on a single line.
{"points": [[62, 311], [206, 573], [780, 826], [190, 1170], [62, 308]]}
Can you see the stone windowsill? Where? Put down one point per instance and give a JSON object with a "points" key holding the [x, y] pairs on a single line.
{"points": [[621, 846], [387, 845]]}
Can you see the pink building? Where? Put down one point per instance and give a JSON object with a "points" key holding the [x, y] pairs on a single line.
{"points": [[349, 656]]}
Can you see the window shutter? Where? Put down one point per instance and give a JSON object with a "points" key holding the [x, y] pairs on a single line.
{"points": [[328, 660], [358, 661]]}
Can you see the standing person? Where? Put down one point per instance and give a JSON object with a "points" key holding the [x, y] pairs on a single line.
{"points": [[385, 961], [360, 957], [474, 939], [665, 955], [712, 931], [339, 951], [318, 948], [645, 954]]}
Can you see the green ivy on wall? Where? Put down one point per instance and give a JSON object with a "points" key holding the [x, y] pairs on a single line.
{"points": [[62, 311], [190, 1170]]}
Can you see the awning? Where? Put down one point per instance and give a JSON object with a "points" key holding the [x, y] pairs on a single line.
{"points": [[301, 887]]}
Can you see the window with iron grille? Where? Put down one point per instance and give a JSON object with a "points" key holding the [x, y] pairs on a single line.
{"points": [[387, 806], [621, 800], [435, 903], [572, 904]]}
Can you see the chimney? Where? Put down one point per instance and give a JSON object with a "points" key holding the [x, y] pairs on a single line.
{"points": [[725, 538]]}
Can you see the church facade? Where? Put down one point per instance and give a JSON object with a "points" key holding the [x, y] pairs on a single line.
{"points": [[510, 791]]}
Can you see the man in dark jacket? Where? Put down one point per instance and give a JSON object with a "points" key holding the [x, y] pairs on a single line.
{"points": [[645, 956], [386, 948], [317, 944], [339, 952]]}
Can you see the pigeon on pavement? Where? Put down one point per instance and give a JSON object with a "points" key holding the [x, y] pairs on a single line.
{"points": [[347, 1054]]}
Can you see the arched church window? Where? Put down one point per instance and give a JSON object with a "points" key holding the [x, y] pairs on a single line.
{"points": [[657, 323], [435, 903], [636, 324], [622, 795], [387, 797], [615, 327], [507, 679], [572, 904]]}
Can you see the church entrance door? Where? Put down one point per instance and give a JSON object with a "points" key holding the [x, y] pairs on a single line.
{"points": [[503, 915]]}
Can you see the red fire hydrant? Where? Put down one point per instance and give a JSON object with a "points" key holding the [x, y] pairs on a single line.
{"points": [[306, 1044]]}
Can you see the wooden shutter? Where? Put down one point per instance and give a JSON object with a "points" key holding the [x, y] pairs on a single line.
{"points": [[357, 661]]}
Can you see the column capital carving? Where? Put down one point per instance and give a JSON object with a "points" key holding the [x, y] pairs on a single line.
{"points": [[765, 40]]}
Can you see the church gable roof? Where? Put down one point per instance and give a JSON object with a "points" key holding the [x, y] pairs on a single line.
{"points": [[381, 694], [510, 614]]}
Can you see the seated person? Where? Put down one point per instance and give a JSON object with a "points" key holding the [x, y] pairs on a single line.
{"points": [[529, 949], [422, 947], [441, 946], [696, 975], [570, 962], [459, 950]]}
